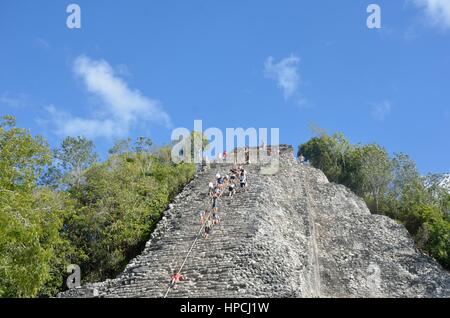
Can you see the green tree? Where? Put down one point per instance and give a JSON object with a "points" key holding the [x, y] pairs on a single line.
{"points": [[143, 145], [73, 157], [143, 148], [321, 153], [430, 230], [30, 218], [406, 183], [120, 147], [351, 172], [438, 193], [376, 173]]}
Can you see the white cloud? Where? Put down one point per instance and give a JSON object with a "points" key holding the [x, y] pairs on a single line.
{"points": [[12, 101], [121, 108], [68, 125], [437, 11], [381, 110], [285, 73]]}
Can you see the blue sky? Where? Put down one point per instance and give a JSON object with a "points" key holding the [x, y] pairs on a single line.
{"points": [[146, 67]]}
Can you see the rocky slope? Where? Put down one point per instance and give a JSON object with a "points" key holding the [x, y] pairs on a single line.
{"points": [[292, 234]]}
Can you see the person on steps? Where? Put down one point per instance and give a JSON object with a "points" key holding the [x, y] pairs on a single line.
{"points": [[216, 218], [175, 278], [243, 180], [215, 204], [202, 216], [211, 188], [220, 183], [208, 226], [301, 158], [232, 176], [231, 189]]}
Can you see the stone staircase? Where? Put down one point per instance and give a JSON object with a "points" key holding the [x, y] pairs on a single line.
{"points": [[292, 234]]}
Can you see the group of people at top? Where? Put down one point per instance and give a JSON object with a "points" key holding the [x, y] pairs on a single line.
{"points": [[237, 176]]}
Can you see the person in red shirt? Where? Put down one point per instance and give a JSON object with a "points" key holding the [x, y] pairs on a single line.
{"points": [[176, 278], [202, 216], [225, 155]]}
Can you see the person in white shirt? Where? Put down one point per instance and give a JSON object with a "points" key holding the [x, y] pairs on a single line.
{"points": [[211, 188]]}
